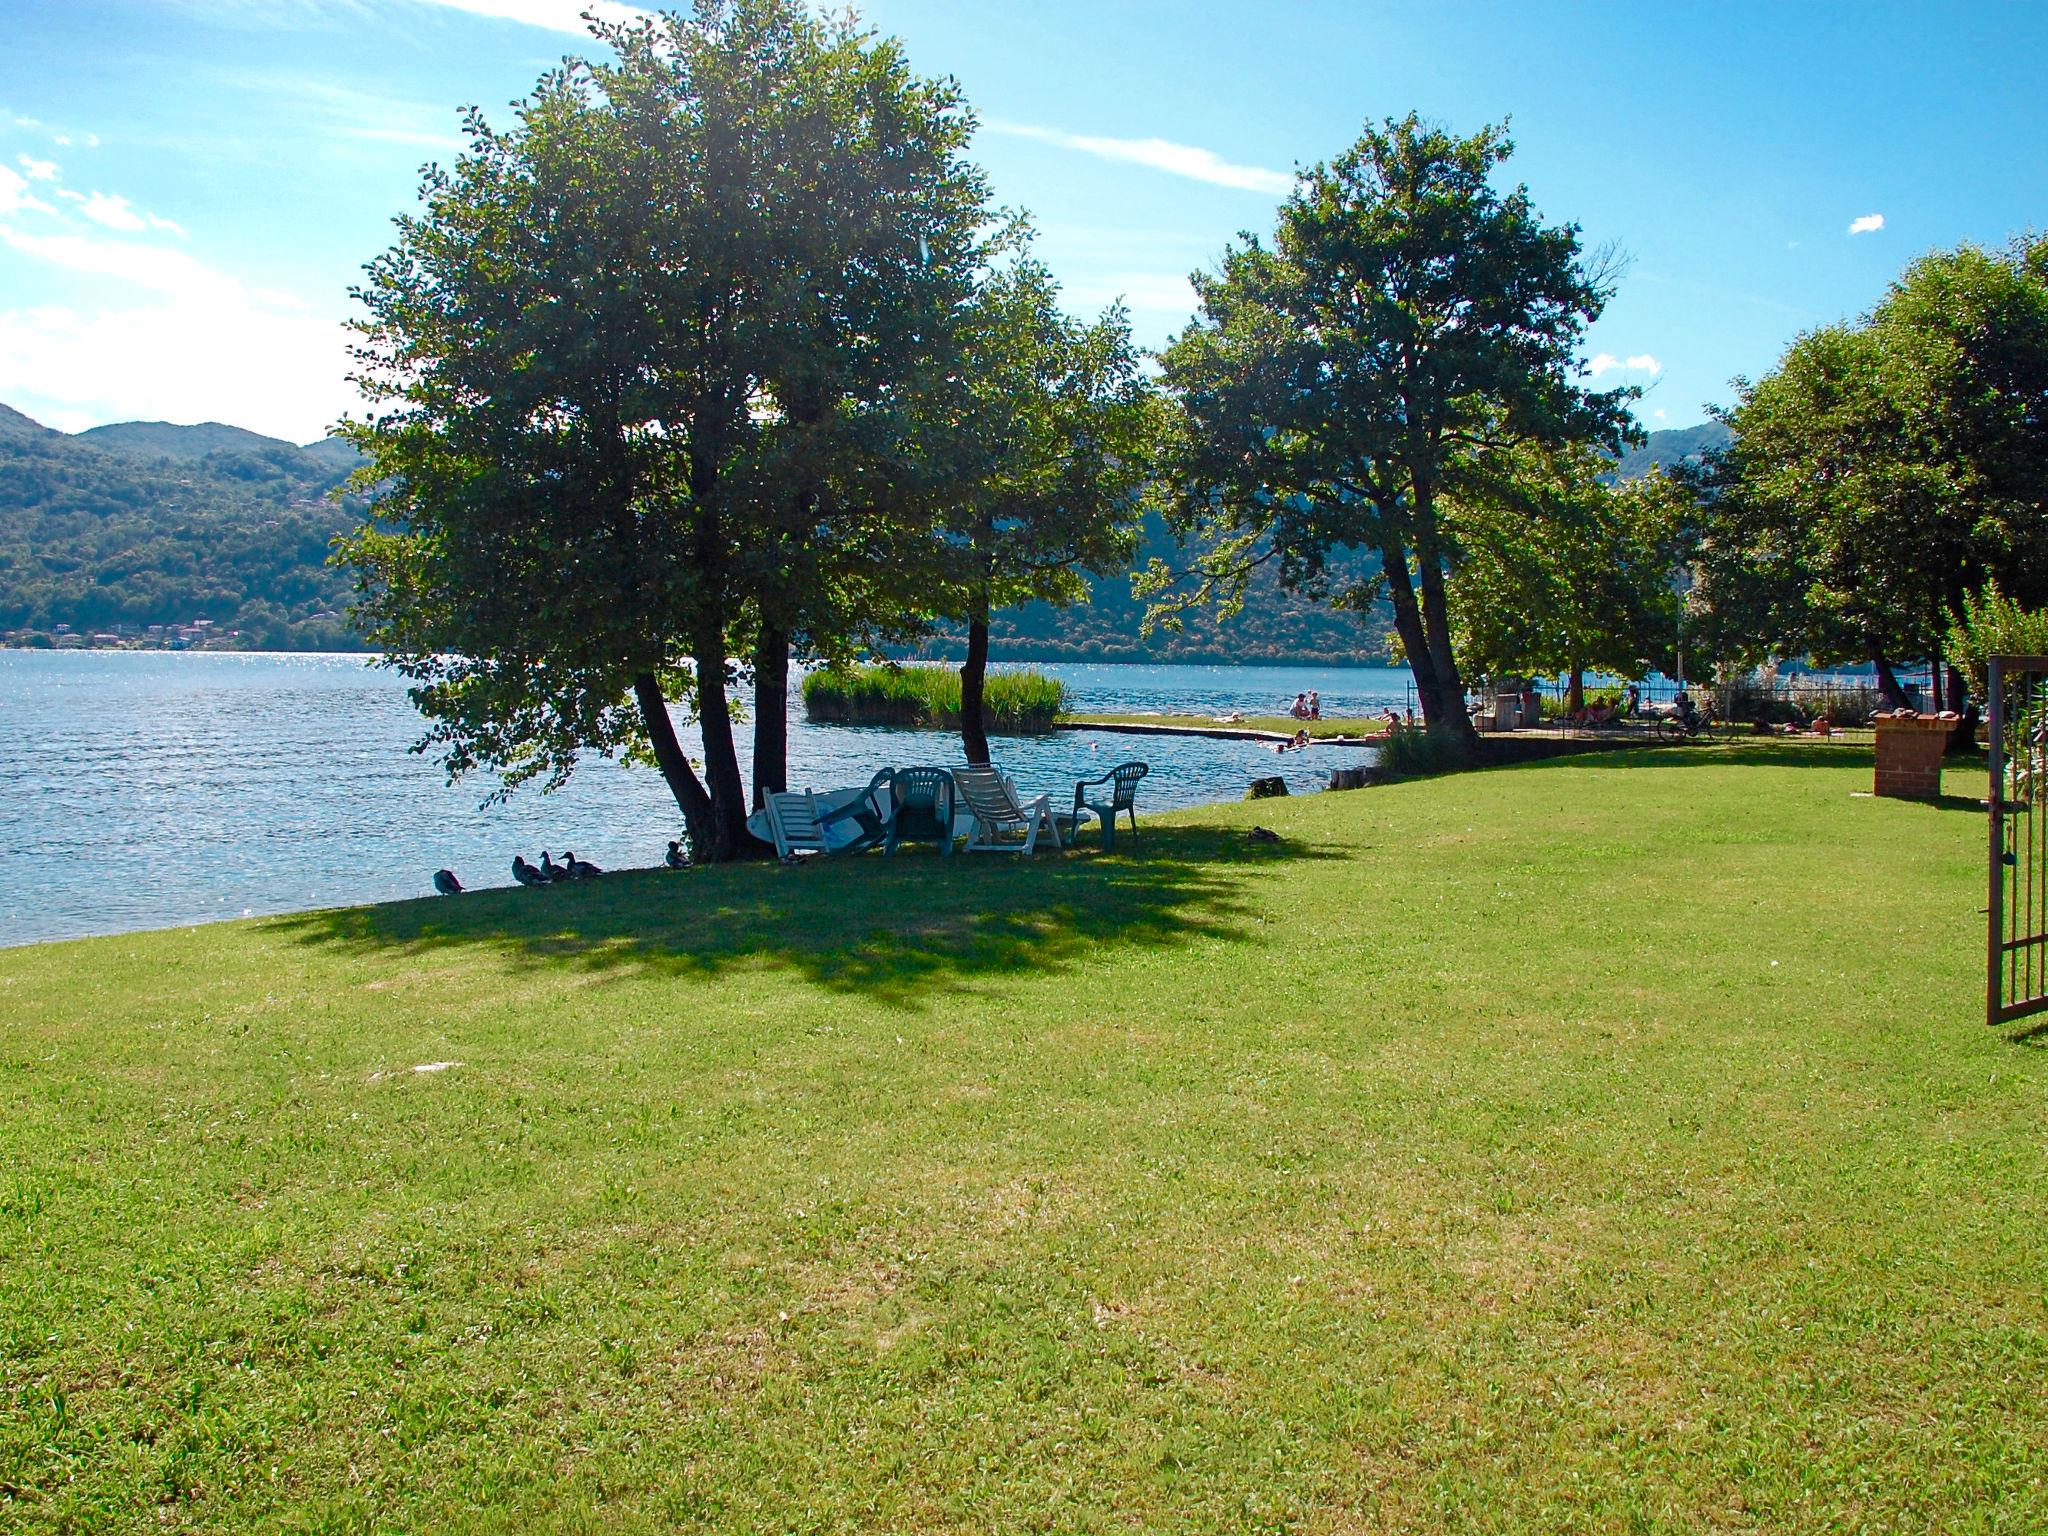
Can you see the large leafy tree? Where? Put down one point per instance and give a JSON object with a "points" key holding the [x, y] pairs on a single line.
{"points": [[1885, 469], [1561, 569], [1048, 465], [637, 369], [1408, 320]]}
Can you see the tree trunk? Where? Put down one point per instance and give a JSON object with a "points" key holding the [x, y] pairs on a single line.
{"points": [[1575, 691], [973, 688], [1449, 717], [1888, 687], [729, 836], [1408, 625], [771, 714], [690, 795]]}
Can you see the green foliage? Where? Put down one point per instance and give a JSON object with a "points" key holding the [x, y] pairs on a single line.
{"points": [[1416, 754], [1407, 321], [1560, 569], [104, 529], [1842, 706], [1048, 459], [1045, 463], [1462, 1158], [1017, 703], [1991, 624], [651, 367], [1885, 469]]}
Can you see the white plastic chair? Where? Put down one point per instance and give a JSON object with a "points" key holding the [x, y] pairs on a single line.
{"points": [[1001, 822], [793, 821]]}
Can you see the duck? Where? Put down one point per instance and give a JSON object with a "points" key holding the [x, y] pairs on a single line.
{"points": [[1263, 835], [551, 869], [676, 858], [446, 883], [579, 869], [525, 873]]}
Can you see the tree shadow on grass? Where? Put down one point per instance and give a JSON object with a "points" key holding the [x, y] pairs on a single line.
{"points": [[898, 930]]}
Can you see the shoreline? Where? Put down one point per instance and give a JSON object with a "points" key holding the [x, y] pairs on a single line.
{"points": [[1215, 732]]}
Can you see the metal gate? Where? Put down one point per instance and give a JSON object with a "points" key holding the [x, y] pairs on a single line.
{"points": [[2016, 983]]}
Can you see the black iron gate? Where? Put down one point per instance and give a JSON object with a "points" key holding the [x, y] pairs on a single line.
{"points": [[2016, 983]]}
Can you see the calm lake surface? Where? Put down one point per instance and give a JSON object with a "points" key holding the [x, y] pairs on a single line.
{"points": [[150, 789]]}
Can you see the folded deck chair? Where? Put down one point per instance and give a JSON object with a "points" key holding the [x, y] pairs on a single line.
{"points": [[800, 822], [1002, 823], [793, 823]]}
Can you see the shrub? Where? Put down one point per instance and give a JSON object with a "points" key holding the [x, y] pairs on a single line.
{"points": [[927, 696], [1411, 753], [1747, 701], [1552, 706], [1992, 624]]}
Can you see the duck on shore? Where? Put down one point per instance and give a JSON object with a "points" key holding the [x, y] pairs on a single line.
{"points": [[525, 873], [549, 868], [579, 869], [446, 883]]}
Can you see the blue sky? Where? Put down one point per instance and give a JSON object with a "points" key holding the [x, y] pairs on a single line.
{"points": [[187, 187]]}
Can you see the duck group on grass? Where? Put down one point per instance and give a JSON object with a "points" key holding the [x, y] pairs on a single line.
{"points": [[548, 872]]}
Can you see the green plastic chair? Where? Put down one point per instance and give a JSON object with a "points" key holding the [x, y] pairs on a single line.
{"points": [[1116, 790], [870, 813], [924, 809]]}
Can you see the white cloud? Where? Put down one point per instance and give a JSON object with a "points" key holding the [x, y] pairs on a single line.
{"points": [[1161, 155], [1659, 414], [555, 15], [15, 196], [114, 211], [1866, 224], [1640, 362], [183, 336], [38, 170]]}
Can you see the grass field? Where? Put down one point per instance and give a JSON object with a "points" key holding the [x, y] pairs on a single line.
{"points": [[1609, 1144], [1284, 724]]}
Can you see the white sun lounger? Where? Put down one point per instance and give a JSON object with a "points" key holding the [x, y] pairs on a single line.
{"points": [[1000, 822]]}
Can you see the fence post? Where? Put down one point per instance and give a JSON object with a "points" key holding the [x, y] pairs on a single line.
{"points": [[1994, 959]]}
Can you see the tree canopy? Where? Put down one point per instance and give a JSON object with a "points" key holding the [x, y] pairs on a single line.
{"points": [[1886, 468], [1561, 569], [1408, 321], [1047, 466], [641, 367]]}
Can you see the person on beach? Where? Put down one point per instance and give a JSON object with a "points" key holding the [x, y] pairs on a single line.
{"points": [[1299, 708], [1393, 721], [1315, 706]]}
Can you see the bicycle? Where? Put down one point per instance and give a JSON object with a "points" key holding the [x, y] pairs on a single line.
{"points": [[1680, 728]]}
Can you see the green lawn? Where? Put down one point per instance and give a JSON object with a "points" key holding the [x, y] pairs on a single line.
{"points": [[1604, 1144]]}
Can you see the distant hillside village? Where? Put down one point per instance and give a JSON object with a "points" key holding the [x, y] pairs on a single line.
{"points": [[150, 536]]}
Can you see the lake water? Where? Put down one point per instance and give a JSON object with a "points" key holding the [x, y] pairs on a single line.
{"points": [[149, 789]]}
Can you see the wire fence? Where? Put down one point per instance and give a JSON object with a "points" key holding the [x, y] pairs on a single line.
{"points": [[1812, 707]]}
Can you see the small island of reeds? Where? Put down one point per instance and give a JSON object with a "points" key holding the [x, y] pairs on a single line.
{"points": [[927, 696]]}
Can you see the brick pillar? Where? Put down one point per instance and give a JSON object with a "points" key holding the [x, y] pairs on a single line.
{"points": [[1909, 752]]}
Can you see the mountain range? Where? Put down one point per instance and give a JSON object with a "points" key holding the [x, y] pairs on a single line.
{"points": [[215, 531]]}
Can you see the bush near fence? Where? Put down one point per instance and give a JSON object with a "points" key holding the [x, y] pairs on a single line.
{"points": [[927, 697]]}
